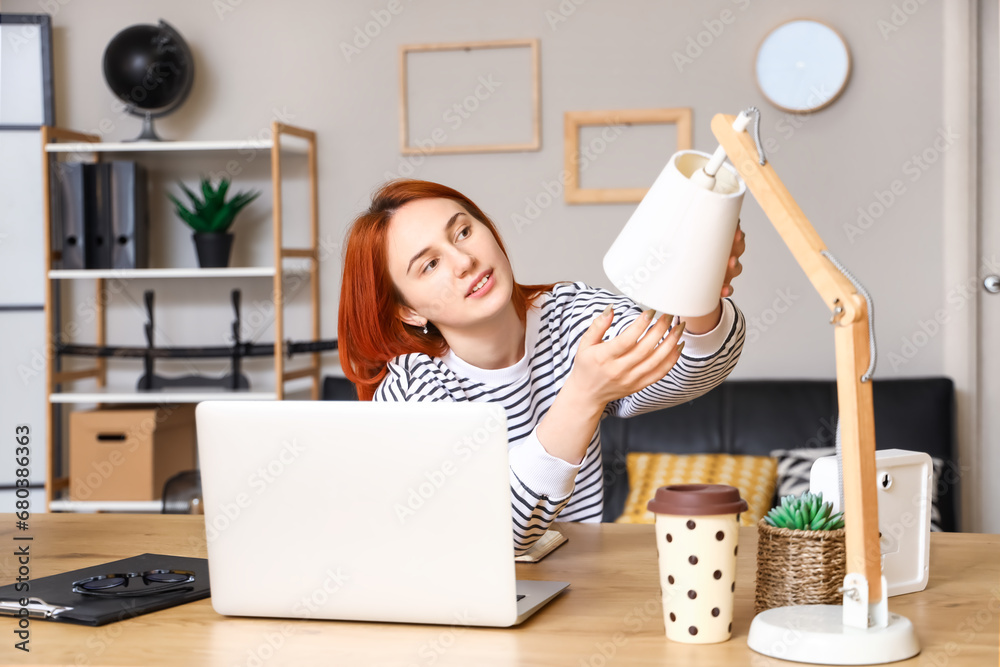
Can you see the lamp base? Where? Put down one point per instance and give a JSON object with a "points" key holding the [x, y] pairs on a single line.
{"points": [[816, 634]]}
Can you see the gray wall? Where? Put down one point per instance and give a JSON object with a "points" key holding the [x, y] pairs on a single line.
{"points": [[262, 58]]}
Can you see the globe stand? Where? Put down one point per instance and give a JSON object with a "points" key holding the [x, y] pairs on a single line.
{"points": [[151, 70], [148, 131]]}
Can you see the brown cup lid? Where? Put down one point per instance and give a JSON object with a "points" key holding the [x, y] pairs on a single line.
{"points": [[697, 500]]}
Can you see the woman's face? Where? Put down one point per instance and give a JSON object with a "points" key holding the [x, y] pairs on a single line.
{"points": [[447, 266]]}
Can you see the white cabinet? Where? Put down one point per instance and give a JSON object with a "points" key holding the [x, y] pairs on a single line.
{"points": [[22, 321], [22, 367], [21, 242]]}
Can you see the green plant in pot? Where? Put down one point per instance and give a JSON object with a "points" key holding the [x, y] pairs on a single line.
{"points": [[210, 217], [807, 512], [801, 554]]}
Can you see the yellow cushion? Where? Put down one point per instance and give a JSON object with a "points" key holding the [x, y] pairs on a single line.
{"points": [[754, 476]]}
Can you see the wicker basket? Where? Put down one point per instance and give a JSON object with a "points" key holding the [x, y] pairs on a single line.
{"points": [[796, 567]]}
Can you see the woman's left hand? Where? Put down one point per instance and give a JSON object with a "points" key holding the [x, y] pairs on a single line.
{"points": [[734, 268]]}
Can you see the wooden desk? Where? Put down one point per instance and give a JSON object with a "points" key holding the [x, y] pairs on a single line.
{"points": [[610, 615]]}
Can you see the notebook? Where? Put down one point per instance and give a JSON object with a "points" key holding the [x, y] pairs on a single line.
{"points": [[362, 511], [545, 545]]}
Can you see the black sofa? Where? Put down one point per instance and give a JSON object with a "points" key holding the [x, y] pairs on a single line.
{"points": [[757, 416]]}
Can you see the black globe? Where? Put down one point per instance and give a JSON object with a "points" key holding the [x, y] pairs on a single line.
{"points": [[150, 69]]}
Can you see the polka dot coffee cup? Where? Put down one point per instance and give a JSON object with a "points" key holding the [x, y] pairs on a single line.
{"points": [[697, 532]]}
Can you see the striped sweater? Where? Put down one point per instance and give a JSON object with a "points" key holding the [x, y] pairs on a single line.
{"points": [[542, 486]]}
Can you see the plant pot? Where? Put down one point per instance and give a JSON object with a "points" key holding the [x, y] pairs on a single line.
{"points": [[797, 567], [213, 249]]}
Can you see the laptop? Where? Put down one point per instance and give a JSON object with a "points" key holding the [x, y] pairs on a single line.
{"points": [[362, 511]]}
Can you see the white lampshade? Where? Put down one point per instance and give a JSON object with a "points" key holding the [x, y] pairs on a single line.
{"points": [[672, 253]]}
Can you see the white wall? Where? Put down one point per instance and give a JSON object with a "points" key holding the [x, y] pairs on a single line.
{"points": [[256, 59]]}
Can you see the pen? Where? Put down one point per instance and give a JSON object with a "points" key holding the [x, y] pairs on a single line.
{"points": [[37, 608]]}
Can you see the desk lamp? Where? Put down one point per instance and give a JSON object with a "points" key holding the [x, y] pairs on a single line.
{"points": [[671, 256]]}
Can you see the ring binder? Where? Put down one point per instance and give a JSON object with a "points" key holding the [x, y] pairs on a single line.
{"points": [[102, 215]]}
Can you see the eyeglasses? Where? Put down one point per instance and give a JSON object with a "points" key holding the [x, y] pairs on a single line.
{"points": [[154, 582]]}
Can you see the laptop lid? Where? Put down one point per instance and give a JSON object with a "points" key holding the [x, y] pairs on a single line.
{"points": [[358, 510]]}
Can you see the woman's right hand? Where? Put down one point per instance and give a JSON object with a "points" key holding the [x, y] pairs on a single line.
{"points": [[604, 371]]}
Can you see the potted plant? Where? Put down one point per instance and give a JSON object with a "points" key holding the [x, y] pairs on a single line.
{"points": [[801, 554], [211, 218]]}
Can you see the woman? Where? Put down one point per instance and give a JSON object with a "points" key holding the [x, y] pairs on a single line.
{"points": [[430, 311]]}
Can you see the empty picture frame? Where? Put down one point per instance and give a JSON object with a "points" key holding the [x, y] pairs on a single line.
{"points": [[574, 120], [25, 71], [469, 97]]}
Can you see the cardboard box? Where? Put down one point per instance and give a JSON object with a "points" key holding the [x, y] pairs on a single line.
{"points": [[128, 453]]}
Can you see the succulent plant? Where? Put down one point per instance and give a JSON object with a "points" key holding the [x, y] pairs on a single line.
{"points": [[807, 512], [212, 214]]}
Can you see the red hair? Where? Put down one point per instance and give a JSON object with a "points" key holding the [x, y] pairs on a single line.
{"points": [[369, 330]]}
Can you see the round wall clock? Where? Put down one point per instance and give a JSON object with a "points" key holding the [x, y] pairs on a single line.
{"points": [[803, 66]]}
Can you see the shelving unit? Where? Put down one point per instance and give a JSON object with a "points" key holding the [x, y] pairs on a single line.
{"points": [[60, 385]]}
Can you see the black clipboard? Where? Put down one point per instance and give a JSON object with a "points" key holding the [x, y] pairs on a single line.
{"points": [[53, 598]]}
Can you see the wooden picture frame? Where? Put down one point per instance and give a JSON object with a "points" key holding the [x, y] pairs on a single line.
{"points": [[681, 117], [534, 143]]}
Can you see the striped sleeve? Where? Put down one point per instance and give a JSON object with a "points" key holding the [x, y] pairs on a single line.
{"points": [[540, 484], [540, 487], [707, 360]]}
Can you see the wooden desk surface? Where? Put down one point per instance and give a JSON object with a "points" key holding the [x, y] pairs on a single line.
{"points": [[611, 613]]}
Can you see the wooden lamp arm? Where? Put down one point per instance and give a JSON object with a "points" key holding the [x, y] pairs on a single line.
{"points": [[786, 216], [857, 422]]}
